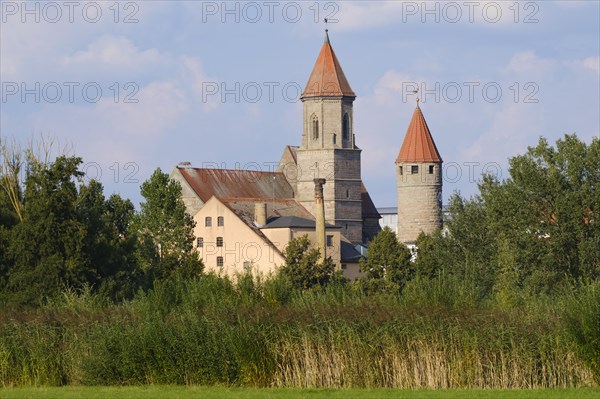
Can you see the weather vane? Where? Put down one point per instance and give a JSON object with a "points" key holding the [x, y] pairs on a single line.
{"points": [[416, 91]]}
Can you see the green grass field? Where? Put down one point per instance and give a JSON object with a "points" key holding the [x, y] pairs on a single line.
{"points": [[183, 392]]}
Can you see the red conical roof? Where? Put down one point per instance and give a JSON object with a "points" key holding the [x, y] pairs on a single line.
{"points": [[327, 78], [418, 145]]}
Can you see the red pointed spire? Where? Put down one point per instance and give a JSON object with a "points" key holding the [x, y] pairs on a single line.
{"points": [[418, 145], [327, 78]]}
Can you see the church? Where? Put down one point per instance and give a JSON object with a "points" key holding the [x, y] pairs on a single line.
{"points": [[244, 219]]}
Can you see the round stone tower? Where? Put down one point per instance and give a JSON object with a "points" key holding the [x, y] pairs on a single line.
{"points": [[419, 182]]}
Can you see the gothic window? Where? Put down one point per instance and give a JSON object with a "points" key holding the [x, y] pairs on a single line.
{"points": [[346, 128], [315, 127]]}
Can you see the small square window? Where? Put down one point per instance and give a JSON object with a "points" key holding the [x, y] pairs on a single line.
{"points": [[220, 261], [414, 169], [330, 241], [208, 221], [219, 241], [220, 221], [200, 242], [431, 167]]}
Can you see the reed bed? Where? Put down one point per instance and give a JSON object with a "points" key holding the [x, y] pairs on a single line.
{"points": [[256, 333]]}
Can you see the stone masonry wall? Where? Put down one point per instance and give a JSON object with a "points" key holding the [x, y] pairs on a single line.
{"points": [[329, 164], [419, 200]]}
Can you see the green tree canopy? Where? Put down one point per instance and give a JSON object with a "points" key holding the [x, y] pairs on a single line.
{"points": [[66, 240], [165, 230], [547, 212], [388, 261], [537, 229], [303, 267]]}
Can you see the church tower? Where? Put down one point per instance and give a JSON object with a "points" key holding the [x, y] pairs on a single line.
{"points": [[328, 150], [419, 181]]}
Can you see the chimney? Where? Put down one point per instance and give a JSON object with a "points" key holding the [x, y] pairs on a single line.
{"points": [[260, 214], [320, 217]]}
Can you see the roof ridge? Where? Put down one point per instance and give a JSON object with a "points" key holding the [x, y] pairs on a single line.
{"points": [[255, 199], [231, 170]]}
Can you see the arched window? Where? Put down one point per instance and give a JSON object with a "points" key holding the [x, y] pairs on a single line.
{"points": [[315, 127], [207, 221], [346, 128]]}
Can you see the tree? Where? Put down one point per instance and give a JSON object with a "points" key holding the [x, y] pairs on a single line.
{"points": [[536, 230], [11, 164], [303, 267], [108, 246], [546, 212], [387, 261], [45, 251], [434, 252], [165, 230], [67, 237]]}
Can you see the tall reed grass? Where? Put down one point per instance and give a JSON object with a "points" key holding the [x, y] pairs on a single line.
{"points": [[259, 332]]}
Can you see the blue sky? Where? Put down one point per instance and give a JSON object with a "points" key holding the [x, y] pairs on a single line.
{"points": [[494, 77]]}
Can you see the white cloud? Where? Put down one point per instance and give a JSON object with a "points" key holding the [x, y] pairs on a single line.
{"points": [[114, 52], [356, 16], [592, 63], [103, 128], [574, 3], [512, 128], [394, 86], [527, 64], [362, 15]]}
